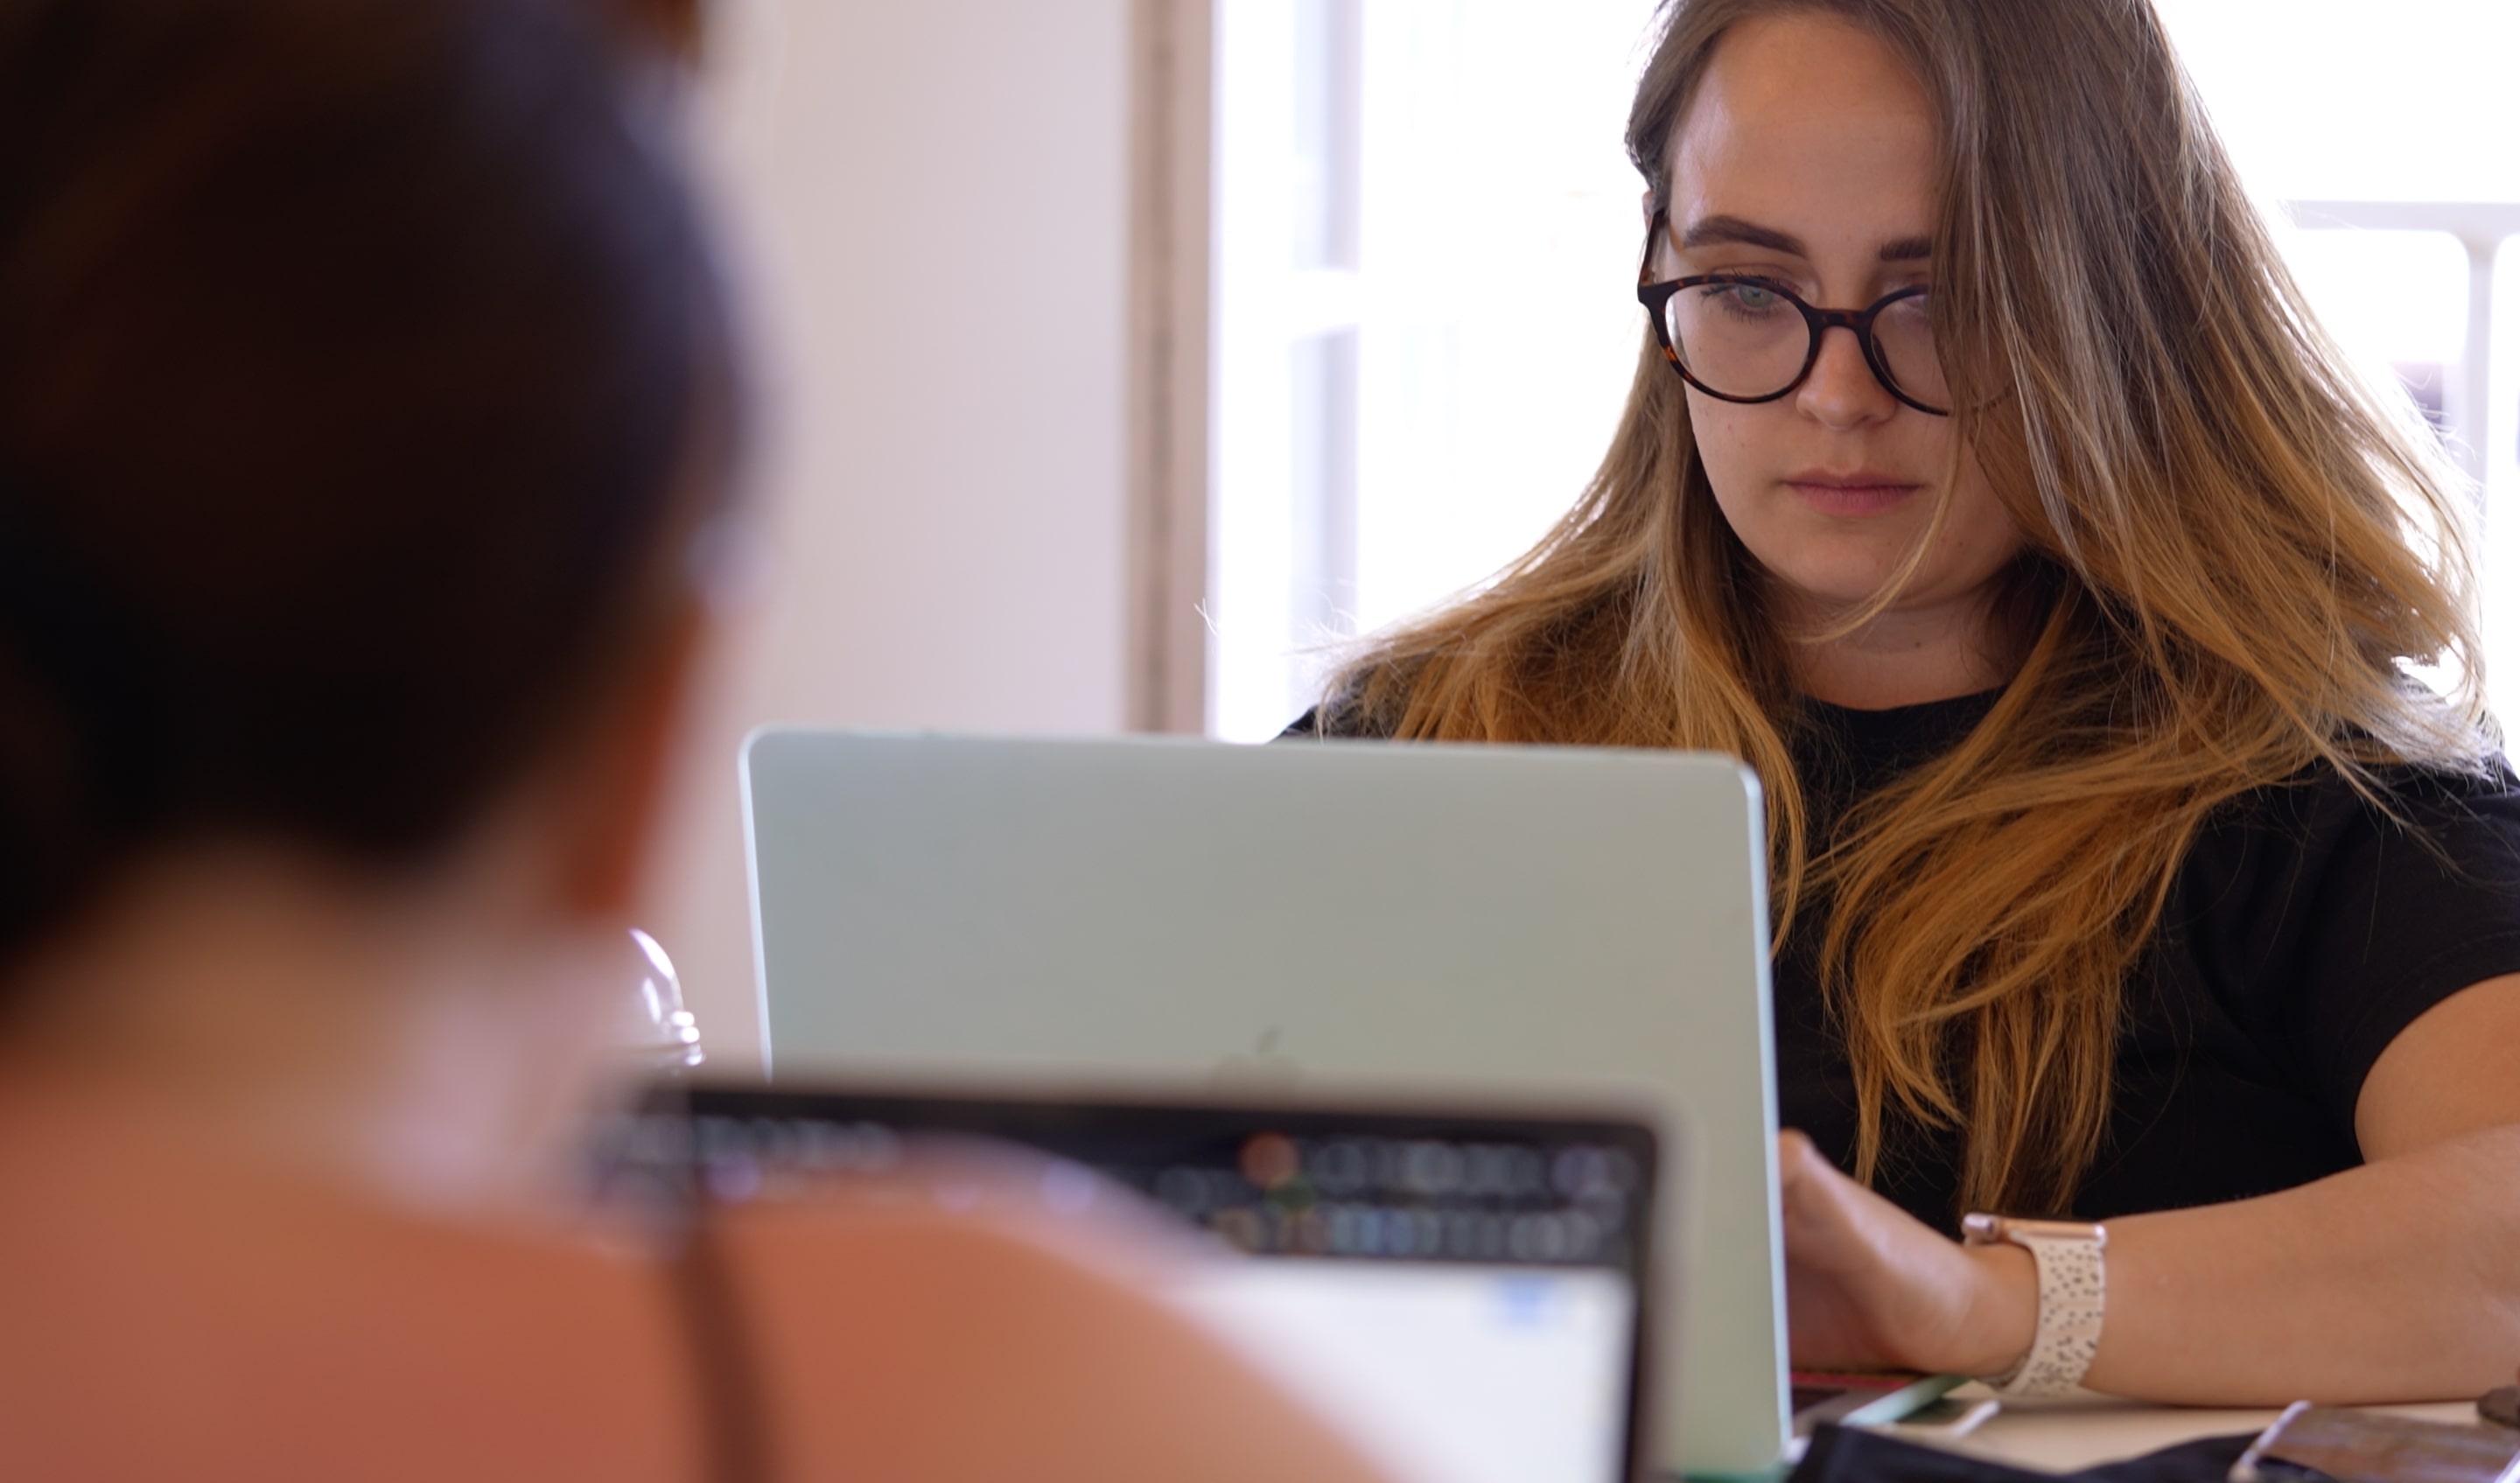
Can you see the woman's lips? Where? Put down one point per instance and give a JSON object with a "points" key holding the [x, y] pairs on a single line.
{"points": [[1850, 494]]}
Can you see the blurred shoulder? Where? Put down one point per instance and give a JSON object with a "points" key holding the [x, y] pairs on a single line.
{"points": [[271, 1325], [909, 1341]]}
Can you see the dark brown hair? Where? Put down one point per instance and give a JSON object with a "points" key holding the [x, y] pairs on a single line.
{"points": [[352, 360]]}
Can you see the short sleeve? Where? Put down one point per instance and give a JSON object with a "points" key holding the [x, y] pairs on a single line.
{"points": [[2330, 922]]}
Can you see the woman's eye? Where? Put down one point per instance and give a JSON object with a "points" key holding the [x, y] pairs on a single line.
{"points": [[1746, 300]]}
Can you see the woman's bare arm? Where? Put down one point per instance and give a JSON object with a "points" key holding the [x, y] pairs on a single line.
{"points": [[2396, 1280]]}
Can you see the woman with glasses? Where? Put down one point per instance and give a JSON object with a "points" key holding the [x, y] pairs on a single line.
{"points": [[368, 409], [2148, 934]]}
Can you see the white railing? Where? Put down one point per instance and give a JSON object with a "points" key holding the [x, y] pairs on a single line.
{"points": [[2479, 427], [2469, 422]]}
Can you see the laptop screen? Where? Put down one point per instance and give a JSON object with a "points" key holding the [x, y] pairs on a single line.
{"points": [[1463, 1295]]}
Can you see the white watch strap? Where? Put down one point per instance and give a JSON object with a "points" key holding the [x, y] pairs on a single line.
{"points": [[2073, 1293]]}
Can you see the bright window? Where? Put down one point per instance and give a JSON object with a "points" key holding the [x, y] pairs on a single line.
{"points": [[1428, 232]]}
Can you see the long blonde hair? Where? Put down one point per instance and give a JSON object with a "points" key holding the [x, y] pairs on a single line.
{"points": [[2234, 552]]}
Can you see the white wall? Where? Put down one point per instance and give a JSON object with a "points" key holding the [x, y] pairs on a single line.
{"points": [[929, 213]]}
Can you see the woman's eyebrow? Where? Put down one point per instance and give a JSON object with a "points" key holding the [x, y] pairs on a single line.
{"points": [[1708, 230]]}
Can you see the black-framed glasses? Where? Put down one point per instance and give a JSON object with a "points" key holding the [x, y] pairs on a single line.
{"points": [[1742, 337]]}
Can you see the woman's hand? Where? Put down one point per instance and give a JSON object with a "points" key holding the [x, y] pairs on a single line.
{"points": [[1867, 1285]]}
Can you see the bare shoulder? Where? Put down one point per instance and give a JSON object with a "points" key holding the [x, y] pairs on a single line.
{"points": [[916, 1343], [175, 1315]]}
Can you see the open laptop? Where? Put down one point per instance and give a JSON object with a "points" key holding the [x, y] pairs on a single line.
{"points": [[1462, 1293], [1156, 917]]}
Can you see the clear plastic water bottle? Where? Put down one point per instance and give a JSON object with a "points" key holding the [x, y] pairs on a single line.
{"points": [[666, 1037]]}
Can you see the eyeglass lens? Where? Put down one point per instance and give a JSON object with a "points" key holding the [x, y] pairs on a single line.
{"points": [[1749, 340]]}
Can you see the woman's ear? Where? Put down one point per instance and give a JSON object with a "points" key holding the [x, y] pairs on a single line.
{"points": [[612, 785]]}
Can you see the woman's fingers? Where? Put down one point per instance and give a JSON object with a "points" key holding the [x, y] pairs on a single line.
{"points": [[1829, 1286], [1823, 1219], [1868, 1284]]}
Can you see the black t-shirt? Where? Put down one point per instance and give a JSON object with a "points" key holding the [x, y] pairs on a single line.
{"points": [[2305, 930]]}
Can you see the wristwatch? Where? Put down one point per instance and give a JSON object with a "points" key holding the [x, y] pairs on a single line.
{"points": [[2072, 1291]]}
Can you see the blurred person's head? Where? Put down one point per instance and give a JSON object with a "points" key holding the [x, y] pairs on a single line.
{"points": [[365, 398]]}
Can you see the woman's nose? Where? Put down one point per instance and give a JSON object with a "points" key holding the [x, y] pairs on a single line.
{"points": [[1841, 391]]}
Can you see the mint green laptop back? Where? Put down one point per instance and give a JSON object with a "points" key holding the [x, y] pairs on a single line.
{"points": [[1586, 929]]}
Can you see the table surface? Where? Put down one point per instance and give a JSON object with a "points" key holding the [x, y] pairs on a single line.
{"points": [[2082, 1432]]}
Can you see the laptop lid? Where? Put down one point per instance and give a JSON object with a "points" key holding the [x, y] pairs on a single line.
{"points": [[1168, 917], [1464, 1294]]}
